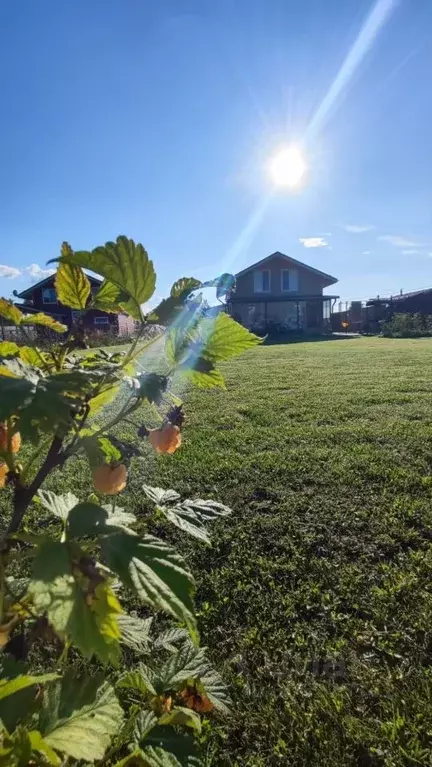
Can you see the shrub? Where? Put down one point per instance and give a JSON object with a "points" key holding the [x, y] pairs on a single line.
{"points": [[407, 326], [63, 630]]}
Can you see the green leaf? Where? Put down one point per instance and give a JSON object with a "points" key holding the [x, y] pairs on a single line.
{"points": [[226, 338], [40, 745], [10, 312], [85, 613], [31, 356], [141, 678], [184, 286], [191, 663], [167, 640], [191, 516], [183, 717], [125, 264], [9, 348], [53, 586], [119, 517], [160, 496], [109, 297], [80, 717], [11, 686], [100, 450], [58, 505], [104, 398], [86, 520], [72, 286], [164, 747], [134, 632], [93, 625], [45, 321], [15, 749], [209, 378], [152, 569], [14, 393]]}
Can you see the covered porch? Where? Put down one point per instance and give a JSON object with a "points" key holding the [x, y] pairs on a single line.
{"points": [[300, 313]]}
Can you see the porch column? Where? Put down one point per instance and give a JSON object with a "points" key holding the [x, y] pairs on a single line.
{"points": [[298, 315]]}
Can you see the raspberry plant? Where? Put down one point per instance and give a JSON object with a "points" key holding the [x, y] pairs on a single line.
{"points": [[64, 634]]}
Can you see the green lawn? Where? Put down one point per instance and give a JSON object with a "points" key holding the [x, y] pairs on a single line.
{"points": [[315, 599]]}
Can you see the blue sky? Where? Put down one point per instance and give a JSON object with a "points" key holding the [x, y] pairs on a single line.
{"points": [[156, 120]]}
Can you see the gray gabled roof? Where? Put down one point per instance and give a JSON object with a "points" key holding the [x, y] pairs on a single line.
{"points": [[28, 291], [327, 278]]}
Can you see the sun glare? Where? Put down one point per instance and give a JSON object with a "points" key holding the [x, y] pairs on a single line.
{"points": [[287, 167]]}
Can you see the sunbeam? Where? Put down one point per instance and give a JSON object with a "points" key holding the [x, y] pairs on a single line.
{"points": [[378, 16]]}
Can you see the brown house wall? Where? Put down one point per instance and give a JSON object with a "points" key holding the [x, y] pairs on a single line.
{"points": [[308, 282]]}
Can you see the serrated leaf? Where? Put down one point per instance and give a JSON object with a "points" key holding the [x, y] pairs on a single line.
{"points": [[119, 517], [86, 520], [109, 297], [125, 264], [207, 510], [15, 393], [188, 663], [191, 663], [156, 572], [209, 378], [93, 625], [79, 718], [164, 747], [9, 349], [100, 450], [45, 321], [183, 717], [11, 686], [58, 505], [9, 311], [31, 356], [88, 620], [142, 679], [160, 496], [40, 745], [104, 398], [226, 338], [167, 640], [187, 520], [71, 284], [134, 632], [184, 286]]}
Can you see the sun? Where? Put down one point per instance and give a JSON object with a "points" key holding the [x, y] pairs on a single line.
{"points": [[287, 167]]}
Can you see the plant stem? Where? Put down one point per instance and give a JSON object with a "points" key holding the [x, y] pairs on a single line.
{"points": [[23, 495]]}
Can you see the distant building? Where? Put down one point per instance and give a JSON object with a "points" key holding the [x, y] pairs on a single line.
{"points": [[42, 297], [283, 293]]}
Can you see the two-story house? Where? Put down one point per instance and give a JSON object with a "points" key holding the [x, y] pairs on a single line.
{"points": [[281, 291], [42, 297]]}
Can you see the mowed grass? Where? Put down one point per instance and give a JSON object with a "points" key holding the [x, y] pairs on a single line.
{"points": [[315, 599]]}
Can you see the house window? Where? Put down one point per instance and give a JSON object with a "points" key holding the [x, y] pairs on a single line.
{"points": [[49, 296], [285, 281], [262, 281], [101, 320]]}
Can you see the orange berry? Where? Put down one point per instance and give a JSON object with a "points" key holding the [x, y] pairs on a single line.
{"points": [[15, 441], [166, 439], [110, 479], [3, 474]]}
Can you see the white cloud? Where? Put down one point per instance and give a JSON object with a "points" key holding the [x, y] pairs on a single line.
{"points": [[358, 228], [313, 242], [399, 242], [37, 273], [366, 253], [411, 252], [9, 272]]}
